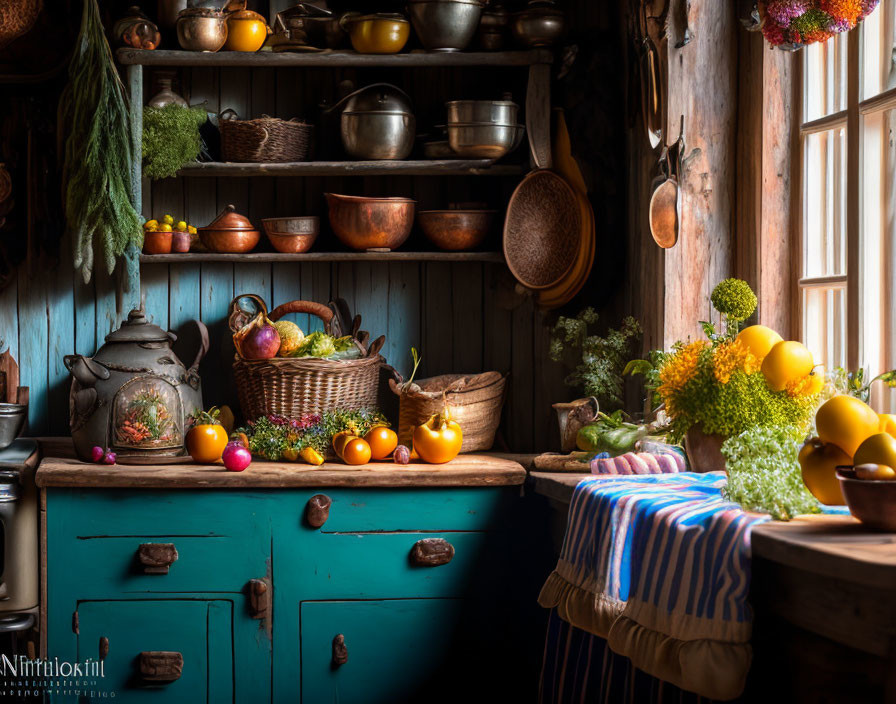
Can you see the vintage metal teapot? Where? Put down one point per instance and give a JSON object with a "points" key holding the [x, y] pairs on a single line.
{"points": [[134, 396]]}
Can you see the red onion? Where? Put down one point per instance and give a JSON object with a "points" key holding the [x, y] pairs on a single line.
{"points": [[109, 457], [258, 339], [236, 457], [96, 454], [402, 455]]}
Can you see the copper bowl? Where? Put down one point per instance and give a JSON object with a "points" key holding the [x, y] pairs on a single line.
{"points": [[157, 242], [371, 223], [228, 241], [292, 235], [456, 230], [872, 501]]}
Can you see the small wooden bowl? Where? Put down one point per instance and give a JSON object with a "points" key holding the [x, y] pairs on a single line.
{"points": [[456, 230], [157, 242], [872, 501]]}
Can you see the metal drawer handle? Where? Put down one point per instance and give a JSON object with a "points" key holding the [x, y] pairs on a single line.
{"points": [[431, 552], [160, 666], [156, 558], [317, 510], [340, 650]]}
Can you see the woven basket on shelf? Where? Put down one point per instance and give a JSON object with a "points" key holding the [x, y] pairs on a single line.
{"points": [[291, 387], [474, 400], [265, 140]]}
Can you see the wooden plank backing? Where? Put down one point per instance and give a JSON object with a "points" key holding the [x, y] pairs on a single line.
{"points": [[466, 470]]}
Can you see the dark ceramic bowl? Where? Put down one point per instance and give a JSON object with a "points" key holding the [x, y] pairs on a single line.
{"points": [[872, 501]]}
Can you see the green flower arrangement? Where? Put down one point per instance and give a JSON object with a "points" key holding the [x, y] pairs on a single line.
{"points": [[717, 384]]}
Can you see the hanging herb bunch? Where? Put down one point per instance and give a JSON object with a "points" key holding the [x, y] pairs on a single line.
{"points": [[791, 24], [98, 154]]}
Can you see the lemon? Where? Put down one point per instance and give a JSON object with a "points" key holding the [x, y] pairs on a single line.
{"points": [[847, 422], [759, 340], [168, 220], [786, 362], [191, 229], [151, 224], [880, 448], [165, 228], [181, 226]]}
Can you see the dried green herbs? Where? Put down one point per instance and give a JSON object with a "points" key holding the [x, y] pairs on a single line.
{"points": [[170, 138], [96, 175]]}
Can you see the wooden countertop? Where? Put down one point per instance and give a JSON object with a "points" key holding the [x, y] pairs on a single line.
{"points": [[466, 470], [833, 546]]}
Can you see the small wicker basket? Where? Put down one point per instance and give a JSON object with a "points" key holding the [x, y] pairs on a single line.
{"points": [[291, 387], [474, 401], [265, 140]]}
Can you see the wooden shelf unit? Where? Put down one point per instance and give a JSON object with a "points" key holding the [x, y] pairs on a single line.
{"points": [[441, 167], [322, 59], [276, 257]]}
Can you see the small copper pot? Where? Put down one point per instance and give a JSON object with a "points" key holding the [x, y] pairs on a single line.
{"points": [[157, 242], [229, 233], [371, 223]]}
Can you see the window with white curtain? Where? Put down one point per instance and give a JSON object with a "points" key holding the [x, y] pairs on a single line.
{"points": [[847, 242]]}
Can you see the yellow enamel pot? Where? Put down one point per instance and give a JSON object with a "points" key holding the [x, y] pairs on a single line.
{"points": [[378, 33], [246, 31]]}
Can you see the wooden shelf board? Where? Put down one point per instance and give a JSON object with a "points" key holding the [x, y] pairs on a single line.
{"points": [[441, 167], [167, 57], [262, 257]]}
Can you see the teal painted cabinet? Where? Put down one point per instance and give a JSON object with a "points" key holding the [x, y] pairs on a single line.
{"points": [[373, 605]]}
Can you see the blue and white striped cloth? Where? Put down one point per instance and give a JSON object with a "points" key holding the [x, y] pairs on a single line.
{"points": [[659, 565]]}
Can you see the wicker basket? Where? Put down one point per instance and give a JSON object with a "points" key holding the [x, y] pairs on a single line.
{"points": [[291, 387], [265, 140], [475, 402]]}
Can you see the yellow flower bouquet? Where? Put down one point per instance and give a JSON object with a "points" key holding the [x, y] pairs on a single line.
{"points": [[734, 380]]}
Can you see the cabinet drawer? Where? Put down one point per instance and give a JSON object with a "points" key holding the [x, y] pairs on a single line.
{"points": [[394, 650], [86, 513], [384, 510], [112, 566], [379, 565]]}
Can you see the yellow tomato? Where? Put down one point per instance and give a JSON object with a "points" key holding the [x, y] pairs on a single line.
{"points": [[880, 448], [311, 456], [819, 462], [759, 340], [382, 441], [356, 451], [438, 440], [340, 439], [887, 423], [205, 443], [165, 227], [846, 422], [150, 224], [786, 363]]}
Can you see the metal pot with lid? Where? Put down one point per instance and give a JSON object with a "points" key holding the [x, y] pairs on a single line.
{"points": [[134, 395], [377, 123]]}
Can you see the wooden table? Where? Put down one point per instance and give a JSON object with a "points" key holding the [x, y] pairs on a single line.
{"points": [[824, 598]]}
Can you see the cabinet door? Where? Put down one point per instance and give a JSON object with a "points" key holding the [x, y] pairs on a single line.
{"points": [[200, 631], [396, 650]]}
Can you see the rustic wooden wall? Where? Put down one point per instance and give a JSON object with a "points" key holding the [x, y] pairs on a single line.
{"points": [[463, 317]]}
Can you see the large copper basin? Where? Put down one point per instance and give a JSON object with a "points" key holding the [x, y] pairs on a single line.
{"points": [[371, 223]]}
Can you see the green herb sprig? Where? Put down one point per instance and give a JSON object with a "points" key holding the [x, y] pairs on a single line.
{"points": [[170, 138]]}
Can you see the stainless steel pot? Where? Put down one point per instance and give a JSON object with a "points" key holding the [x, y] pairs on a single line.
{"points": [[377, 123], [313, 26], [484, 140], [12, 420], [542, 23], [501, 112], [445, 25]]}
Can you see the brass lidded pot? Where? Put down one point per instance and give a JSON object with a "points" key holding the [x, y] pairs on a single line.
{"points": [[134, 395], [201, 29]]}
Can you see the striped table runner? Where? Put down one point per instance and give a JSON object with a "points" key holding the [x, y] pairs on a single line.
{"points": [[659, 565]]}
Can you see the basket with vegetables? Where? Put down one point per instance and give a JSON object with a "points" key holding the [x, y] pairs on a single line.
{"points": [[279, 370]]}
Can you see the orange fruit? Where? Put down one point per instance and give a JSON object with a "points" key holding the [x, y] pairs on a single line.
{"points": [[382, 441], [340, 439], [356, 451]]}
